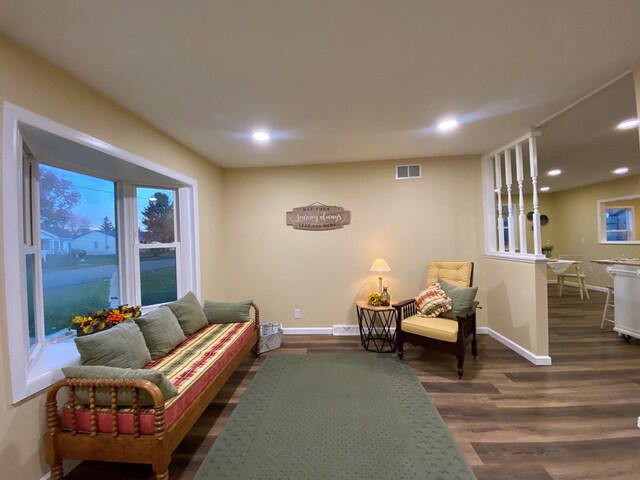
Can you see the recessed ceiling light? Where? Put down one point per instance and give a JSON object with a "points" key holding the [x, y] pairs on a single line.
{"points": [[447, 125], [621, 170], [554, 172], [261, 136], [629, 123], [544, 189]]}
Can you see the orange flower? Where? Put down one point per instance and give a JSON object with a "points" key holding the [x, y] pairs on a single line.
{"points": [[115, 318]]}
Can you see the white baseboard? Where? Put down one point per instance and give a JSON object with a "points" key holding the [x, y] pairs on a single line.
{"points": [[520, 350], [596, 288], [337, 330], [349, 330], [46, 476], [308, 331]]}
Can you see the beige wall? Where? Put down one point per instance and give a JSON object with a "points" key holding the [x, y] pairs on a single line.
{"points": [[546, 206], [407, 222], [517, 303], [576, 225], [28, 82], [636, 79]]}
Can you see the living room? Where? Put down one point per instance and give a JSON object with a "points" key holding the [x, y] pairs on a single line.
{"points": [[246, 250]]}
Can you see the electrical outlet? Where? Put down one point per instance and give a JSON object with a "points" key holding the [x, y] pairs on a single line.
{"points": [[296, 313]]}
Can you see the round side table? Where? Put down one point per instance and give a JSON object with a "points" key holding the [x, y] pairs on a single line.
{"points": [[375, 325]]}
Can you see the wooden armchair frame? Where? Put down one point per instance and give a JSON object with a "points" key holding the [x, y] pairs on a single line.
{"points": [[155, 449], [466, 332]]}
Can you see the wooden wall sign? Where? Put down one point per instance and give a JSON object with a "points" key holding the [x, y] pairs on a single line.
{"points": [[318, 217]]}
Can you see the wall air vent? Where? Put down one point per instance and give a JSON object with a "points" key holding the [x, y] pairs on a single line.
{"points": [[404, 172]]}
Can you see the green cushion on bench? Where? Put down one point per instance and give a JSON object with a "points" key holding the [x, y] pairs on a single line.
{"points": [[121, 346], [227, 312], [125, 395], [161, 331], [189, 313]]}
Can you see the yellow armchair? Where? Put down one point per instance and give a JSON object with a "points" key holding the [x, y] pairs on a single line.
{"points": [[449, 335]]}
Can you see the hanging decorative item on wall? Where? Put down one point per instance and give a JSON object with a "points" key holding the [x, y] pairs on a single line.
{"points": [[318, 216], [544, 219]]}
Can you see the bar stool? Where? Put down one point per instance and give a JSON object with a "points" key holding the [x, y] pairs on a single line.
{"points": [[608, 304]]}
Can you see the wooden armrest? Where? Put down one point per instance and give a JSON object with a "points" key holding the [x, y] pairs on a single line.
{"points": [[404, 309], [256, 315], [404, 303], [53, 419]]}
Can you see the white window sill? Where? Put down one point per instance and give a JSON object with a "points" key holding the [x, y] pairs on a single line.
{"points": [[46, 369]]}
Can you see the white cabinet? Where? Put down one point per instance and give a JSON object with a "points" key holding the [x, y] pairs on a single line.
{"points": [[626, 284]]}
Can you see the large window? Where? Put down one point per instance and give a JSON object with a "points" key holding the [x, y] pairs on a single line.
{"points": [[98, 227], [75, 211]]}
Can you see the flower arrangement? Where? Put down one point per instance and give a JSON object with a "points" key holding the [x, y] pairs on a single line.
{"points": [[547, 248], [373, 299], [104, 319]]}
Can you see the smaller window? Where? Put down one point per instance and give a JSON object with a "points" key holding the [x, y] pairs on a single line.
{"points": [[617, 219], [619, 224], [505, 223]]}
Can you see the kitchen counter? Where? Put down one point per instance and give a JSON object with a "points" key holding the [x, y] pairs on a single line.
{"points": [[632, 262]]}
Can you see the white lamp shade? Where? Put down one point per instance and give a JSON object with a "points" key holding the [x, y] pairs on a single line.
{"points": [[380, 265]]}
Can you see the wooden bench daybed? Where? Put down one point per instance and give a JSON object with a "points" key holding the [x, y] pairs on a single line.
{"points": [[147, 435]]}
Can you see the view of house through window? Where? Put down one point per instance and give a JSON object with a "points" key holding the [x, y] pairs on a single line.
{"points": [[92, 229], [78, 250]]}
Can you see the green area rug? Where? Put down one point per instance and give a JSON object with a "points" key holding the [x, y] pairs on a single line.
{"points": [[335, 416]]}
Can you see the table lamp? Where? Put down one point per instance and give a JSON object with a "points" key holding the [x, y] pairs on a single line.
{"points": [[379, 265]]}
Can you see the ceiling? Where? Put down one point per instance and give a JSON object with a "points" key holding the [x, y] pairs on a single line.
{"points": [[583, 141], [334, 80]]}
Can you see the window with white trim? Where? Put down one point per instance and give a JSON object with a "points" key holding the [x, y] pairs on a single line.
{"points": [[98, 227], [619, 224], [157, 246]]}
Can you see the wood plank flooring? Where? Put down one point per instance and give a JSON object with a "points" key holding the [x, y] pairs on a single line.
{"points": [[574, 420]]}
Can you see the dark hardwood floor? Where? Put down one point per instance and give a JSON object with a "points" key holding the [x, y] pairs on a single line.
{"points": [[574, 420]]}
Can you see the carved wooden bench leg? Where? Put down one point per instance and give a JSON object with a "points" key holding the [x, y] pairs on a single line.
{"points": [[161, 469], [57, 473], [162, 475]]}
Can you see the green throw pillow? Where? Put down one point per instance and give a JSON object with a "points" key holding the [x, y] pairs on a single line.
{"points": [[462, 298], [125, 395], [227, 312], [189, 313], [161, 331], [121, 346]]}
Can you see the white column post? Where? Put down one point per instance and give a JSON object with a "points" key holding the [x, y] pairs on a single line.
{"points": [[507, 176], [498, 174], [533, 164], [522, 224]]}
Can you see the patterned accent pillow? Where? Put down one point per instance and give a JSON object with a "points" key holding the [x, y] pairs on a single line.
{"points": [[433, 301]]}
